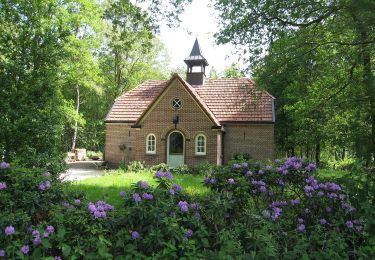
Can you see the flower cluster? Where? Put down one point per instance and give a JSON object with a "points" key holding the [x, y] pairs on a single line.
{"points": [[68, 205], [189, 233], [143, 185], [4, 165], [147, 196], [9, 230], [3, 185], [184, 206], [259, 186], [99, 209], [175, 188], [160, 175], [44, 185], [136, 197], [135, 235], [209, 181]]}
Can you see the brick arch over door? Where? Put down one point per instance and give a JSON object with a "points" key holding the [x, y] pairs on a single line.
{"points": [[184, 131]]}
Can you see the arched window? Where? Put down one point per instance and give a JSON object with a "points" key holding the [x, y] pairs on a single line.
{"points": [[200, 144], [151, 144]]}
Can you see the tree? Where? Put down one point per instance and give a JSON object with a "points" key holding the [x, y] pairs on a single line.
{"points": [[233, 72], [326, 46], [32, 38]]}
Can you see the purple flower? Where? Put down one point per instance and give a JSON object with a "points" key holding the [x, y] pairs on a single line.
{"points": [[342, 197], [262, 189], [197, 216], [294, 202], [245, 165], [323, 221], [285, 172], [310, 167], [308, 189], [97, 214], [136, 197], [230, 181], [57, 257], [268, 167], [236, 166], [135, 235], [45, 234], [212, 181], [9, 230], [47, 174], [172, 191], [159, 174], [189, 233], [168, 175], [50, 229], [176, 187], [261, 172], [35, 233], [4, 165], [37, 241], [277, 161], [122, 193], [301, 227], [2, 253], [194, 205], [206, 180], [143, 184], [349, 224], [300, 220], [98, 210], [147, 196], [281, 182], [328, 209], [183, 205], [249, 173], [77, 201], [25, 249], [41, 186], [91, 207], [320, 193], [3, 185]]}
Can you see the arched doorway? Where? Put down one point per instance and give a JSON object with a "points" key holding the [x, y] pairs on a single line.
{"points": [[175, 149]]}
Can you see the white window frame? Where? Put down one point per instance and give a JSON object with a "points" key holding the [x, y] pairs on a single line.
{"points": [[204, 146], [148, 151]]}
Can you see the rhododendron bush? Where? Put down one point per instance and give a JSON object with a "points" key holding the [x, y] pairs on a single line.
{"points": [[280, 210]]}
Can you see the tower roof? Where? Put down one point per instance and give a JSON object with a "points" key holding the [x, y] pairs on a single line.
{"points": [[196, 58]]}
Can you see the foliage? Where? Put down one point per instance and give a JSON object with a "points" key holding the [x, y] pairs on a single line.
{"points": [[316, 58], [92, 155], [238, 219]]}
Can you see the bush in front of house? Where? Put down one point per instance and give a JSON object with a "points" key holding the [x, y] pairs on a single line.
{"points": [[303, 214], [277, 210]]}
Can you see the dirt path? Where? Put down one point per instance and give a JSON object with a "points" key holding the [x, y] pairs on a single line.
{"points": [[82, 170]]}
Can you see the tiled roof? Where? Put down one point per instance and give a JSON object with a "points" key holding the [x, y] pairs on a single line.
{"points": [[236, 100], [129, 106], [225, 100]]}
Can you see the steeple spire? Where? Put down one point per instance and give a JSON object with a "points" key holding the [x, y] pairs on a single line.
{"points": [[196, 59]]}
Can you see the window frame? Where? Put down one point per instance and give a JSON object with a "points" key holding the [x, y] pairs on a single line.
{"points": [[181, 103], [204, 145], [148, 151]]}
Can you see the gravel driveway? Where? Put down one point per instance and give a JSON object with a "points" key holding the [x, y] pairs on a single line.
{"points": [[82, 170]]}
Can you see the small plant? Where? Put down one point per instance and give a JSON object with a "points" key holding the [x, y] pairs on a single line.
{"points": [[160, 167], [136, 166], [181, 169]]}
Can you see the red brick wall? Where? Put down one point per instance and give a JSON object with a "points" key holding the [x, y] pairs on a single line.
{"points": [[257, 140]]}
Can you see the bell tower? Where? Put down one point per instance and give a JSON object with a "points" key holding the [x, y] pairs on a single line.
{"points": [[196, 66]]}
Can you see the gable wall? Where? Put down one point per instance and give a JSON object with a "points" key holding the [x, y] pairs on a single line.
{"points": [[256, 140], [119, 134], [192, 121]]}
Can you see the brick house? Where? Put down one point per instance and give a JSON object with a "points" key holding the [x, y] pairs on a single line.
{"points": [[189, 122]]}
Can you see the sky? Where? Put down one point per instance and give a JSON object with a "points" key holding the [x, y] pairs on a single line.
{"points": [[198, 20]]}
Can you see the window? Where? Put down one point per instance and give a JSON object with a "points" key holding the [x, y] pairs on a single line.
{"points": [[176, 103], [200, 145], [151, 144]]}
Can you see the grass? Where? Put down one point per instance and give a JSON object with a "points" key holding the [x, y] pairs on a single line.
{"points": [[108, 187]]}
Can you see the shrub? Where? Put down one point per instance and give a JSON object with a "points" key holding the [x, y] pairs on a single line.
{"points": [[94, 155], [181, 169], [136, 166], [160, 167]]}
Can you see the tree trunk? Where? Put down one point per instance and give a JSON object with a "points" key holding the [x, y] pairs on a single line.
{"points": [[317, 154], [76, 122]]}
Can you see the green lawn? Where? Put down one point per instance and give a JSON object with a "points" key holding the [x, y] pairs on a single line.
{"points": [[108, 187]]}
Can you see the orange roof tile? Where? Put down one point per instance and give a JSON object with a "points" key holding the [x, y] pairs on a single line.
{"points": [[225, 100]]}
